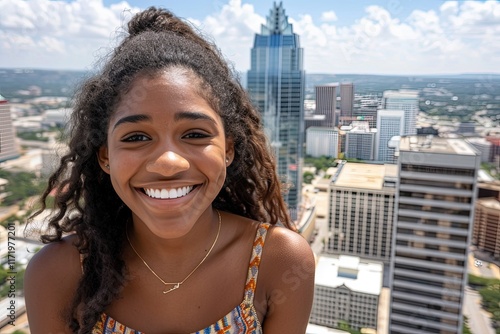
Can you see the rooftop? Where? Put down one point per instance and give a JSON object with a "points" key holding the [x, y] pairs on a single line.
{"points": [[433, 144], [365, 176], [368, 278], [401, 94], [489, 202]]}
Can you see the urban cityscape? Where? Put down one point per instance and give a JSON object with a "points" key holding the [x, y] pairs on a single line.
{"points": [[394, 181]]}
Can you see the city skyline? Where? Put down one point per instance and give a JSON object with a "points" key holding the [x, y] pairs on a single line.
{"points": [[363, 37]]}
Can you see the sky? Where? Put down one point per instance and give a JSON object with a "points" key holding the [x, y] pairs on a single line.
{"points": [[401, 37]]}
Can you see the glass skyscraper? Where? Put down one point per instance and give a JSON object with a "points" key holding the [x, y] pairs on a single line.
{"points": [[276, 82]]}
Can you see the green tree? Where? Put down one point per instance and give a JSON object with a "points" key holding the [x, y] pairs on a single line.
{"points": [[489, 289], [19, 277], [21, 186], [308, 177], [465, 327], [321, 163]]}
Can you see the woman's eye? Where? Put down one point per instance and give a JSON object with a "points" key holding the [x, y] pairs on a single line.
{"points": [[194, 135], [135, 137]]}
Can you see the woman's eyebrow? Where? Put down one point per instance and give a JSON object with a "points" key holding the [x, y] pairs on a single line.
{"points": [[193, 115], [132, 119]]}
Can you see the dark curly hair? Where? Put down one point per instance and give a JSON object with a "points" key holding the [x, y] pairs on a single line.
{"points": [[85, 201]]}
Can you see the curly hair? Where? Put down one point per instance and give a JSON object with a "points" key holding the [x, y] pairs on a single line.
{"points": [[85, 201]]}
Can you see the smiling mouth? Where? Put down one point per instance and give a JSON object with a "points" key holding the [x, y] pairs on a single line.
{"points": [[168, 193]]}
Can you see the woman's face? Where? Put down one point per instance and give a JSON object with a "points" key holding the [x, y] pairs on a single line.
{"points": [[166, 152]]}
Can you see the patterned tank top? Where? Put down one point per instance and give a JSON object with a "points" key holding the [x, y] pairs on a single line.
{"points": [[242, 319]]}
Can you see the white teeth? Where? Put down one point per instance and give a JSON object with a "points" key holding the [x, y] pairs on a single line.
{"points": [[165, 194]]}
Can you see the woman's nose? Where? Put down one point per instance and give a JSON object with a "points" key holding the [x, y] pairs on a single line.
{"points": [[169, 163]]}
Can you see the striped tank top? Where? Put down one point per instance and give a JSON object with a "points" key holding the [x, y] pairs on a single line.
{"points": [[242, 319]]}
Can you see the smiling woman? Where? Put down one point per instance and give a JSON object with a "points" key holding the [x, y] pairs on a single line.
{"points": [[167, 204]]}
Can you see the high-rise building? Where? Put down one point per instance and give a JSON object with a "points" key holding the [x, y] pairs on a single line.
{"points": [[8, 147], [360, 142], [495, 149], [435, 197], [326, 103], [366, 115], [365, 109], [346, 99], [322, 141], [406, 100], [483, 146], [276, 84], [361, 210], [390, 123], [486, 235]]}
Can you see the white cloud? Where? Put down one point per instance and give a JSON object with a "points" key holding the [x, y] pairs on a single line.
{"points": [[51, 44], [329, 16], [459, 36], [56, 28], [233, 29]]}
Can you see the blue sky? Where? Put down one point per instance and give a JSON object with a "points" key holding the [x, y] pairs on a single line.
{"points": [[338, 36], [347, 11]]}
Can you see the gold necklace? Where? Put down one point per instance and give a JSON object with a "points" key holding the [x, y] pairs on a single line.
{"points": [[176, 285]]}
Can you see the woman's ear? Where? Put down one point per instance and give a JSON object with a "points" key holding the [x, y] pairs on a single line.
{"points": [[102, 157], [229, 150]]}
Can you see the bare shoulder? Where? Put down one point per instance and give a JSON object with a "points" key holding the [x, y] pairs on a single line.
{"points": [[55, 259], [50, 282], [287, 270], [286, 248]]}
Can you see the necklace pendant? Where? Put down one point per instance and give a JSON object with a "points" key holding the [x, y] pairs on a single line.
{"points": [[175, 287]]}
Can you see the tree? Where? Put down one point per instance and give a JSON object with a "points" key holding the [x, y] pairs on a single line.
{"points": [[21, 186], [308, 177]]}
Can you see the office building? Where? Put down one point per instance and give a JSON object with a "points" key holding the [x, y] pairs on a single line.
{"points": [[494, 149], [360, 142], [326, 103], [486, 233], [390, 123], [346, 100], [8, 145], [406, 100], [56, 117], [347, 289], [313, 120], [322, 141], [436, 191], [276, 84], [366, 114], [483, 146], [467, 129], [361, 210]]}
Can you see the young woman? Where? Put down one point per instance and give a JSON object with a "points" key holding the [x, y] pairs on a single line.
{"points": [[167, 202]]}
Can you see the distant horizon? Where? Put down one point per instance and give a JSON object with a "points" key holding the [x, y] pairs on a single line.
{"points": [[307, 72], [367, 37]]}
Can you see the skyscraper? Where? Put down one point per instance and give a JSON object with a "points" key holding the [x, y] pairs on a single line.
{"points": [[435, 197], [326, 103], [346, 100], [360, 210], [406, 100], [390, 123], [360, 142], [276, 84], [8, 147]]}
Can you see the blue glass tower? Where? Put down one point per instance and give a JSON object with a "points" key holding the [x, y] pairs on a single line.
{"points": [[276, 82]]}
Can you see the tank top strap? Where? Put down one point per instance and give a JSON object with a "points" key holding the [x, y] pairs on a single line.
{"points": [[253, 267], [82, 257]]}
